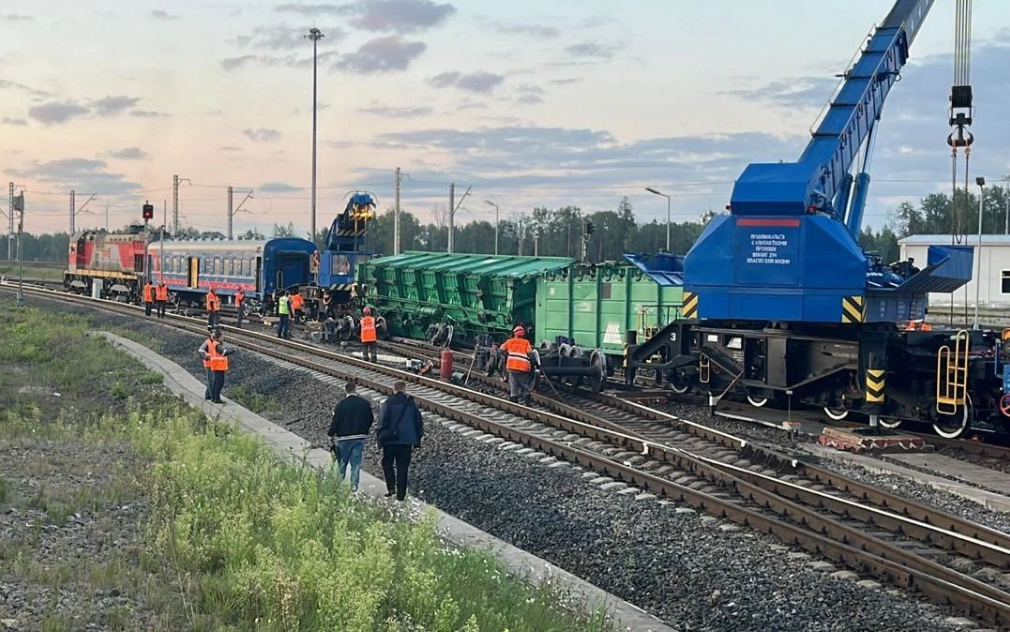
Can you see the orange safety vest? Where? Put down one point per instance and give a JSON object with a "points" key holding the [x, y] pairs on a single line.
{"points": [[147, 293], [218, 361], [161, 292], [518, 355], [367, 329], [297, 301], [213, 304], [924, 326], [210, 345], [239, 296]]}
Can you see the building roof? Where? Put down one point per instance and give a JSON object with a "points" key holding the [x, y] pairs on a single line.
{"points": [[945, 240]]}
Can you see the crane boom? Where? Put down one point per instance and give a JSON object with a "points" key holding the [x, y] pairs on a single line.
{"points": [[816, 180]]}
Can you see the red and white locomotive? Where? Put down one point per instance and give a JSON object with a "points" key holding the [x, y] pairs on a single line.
{"points": [[112, 262]]}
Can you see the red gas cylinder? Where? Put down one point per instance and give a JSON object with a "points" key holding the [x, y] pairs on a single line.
{"points": [[445, 371]]}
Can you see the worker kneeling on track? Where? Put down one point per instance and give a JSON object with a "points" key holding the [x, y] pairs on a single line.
{"points": [[519, 365]]}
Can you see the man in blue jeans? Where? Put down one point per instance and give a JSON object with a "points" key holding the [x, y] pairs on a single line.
{"points": [[352, 420]]}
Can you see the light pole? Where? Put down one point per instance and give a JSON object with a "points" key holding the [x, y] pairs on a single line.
{"points": [[980, 181], [651, 190], [495, 225], [315, 35]]}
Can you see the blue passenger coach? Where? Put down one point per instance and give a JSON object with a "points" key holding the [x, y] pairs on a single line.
{"points": [[258, 267]]}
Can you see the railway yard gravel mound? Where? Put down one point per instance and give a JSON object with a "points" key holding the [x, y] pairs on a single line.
{"points": [[694, 571]]}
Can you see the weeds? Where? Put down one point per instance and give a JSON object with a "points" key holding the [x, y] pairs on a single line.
{"points": [[151, 377], [5, 490]]}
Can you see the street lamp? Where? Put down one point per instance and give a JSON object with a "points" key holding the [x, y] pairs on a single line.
{"points": [[980, 181], [651, 190], [315, 35], [495, 225]]}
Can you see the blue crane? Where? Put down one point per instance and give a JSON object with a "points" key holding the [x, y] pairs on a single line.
{"points": [[788, 251]]}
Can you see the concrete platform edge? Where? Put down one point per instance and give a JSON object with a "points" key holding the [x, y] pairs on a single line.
{"points": [[292, 447]]}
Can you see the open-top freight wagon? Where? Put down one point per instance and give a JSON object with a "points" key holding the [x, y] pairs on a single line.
{"points": [[578, 316]]}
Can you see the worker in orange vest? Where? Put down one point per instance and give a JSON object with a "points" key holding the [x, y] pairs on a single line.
{"points": [[297, 305], [519, 365], [148, 298], [368, 335], [205, 357], [213, 306], [218, 365], [239, 306], [161, 298]]}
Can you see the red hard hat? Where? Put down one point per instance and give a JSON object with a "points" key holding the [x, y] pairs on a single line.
{"points": [[366, 311], [518, 331]]}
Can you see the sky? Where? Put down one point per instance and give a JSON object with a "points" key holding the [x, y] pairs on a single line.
{"points": [[527, 103]]}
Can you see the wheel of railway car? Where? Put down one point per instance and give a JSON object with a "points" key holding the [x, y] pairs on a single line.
{"points": [[678, 383], [953, 426], [381, 328], [599, 378], [757, 399], [890, 423], [837, 414]]}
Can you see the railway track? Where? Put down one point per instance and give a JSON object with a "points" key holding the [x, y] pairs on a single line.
{"points": [[860, 526]]}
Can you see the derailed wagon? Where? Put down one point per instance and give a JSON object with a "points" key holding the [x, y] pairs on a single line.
{"points": [[579, 317]]}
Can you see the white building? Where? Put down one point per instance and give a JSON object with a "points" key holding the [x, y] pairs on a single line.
{"points": [[992, 266]]}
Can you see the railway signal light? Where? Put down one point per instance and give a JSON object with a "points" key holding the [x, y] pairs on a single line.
{"points": [[589, 228], [148, 211]]}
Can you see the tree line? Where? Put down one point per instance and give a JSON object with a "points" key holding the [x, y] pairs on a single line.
{"points": [[562, 232]]}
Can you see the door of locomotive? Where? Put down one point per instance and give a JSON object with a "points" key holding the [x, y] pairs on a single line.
{"points": [[193, 273]]}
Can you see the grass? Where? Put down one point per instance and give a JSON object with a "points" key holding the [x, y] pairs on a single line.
{"points": [[44, 273], [256, 402], [232, 539]]}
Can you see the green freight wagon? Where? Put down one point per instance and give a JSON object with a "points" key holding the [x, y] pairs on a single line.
{"points": [[438, 296], [595, 306]]}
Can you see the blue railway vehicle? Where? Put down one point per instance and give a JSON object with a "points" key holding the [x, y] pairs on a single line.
{"points": [[781, 303], [345, 248], [258, 267]]}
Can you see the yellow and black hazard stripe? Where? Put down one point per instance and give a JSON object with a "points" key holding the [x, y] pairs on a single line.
{"points": [[853, 309], [875, 385], [350, 232], [690, 305], [341, 287]]}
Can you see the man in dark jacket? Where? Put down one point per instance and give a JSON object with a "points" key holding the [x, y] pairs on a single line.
{"points": [[352, 420], [400, 430]]}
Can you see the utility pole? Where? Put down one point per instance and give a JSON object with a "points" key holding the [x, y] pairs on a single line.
{"points": [[73, 212], [452, 203], [315, 35], [980, 181], [10, 225], [495, 225], [231, 212], [520, 226], [18, 205], [106, 218], [396, 213], [453, 209], [1006, 206], [161, 248], [175, 205]]}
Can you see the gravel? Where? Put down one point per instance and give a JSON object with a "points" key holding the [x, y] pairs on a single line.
{"points": [[689, 569]]}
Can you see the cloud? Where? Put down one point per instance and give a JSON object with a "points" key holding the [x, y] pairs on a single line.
{"points": [[232, 63], [230, 148], [286, 38], [591, 49], [148, 114], [129, 153], [566, 81], [17, 18], [82, 174], [514, 28], [163, 15], [380, 55], [278, 187], [530, 99], [480, 81], [57, 112], [396, 112], [13, 85], [111, 106], [797, 92], [398, 16], [445, 79], [262, 135], [14, 121]]}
